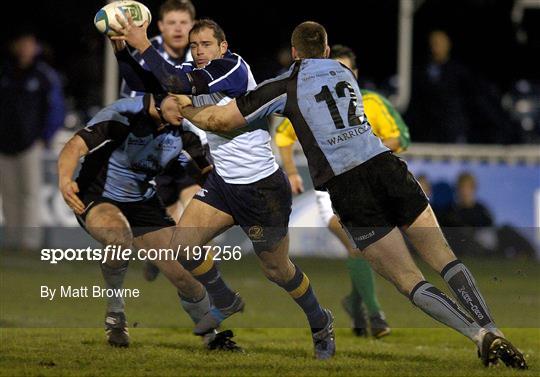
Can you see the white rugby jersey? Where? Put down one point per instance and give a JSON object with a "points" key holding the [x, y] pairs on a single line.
{"points": [[244, 156], [240, 157]]}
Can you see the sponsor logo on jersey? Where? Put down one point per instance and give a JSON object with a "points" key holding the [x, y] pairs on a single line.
{"points": [[134, 140], [149, 165], [168, 144], [348, 135]]}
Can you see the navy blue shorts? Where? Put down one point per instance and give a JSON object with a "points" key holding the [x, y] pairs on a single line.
{"points": [[261, 208]]}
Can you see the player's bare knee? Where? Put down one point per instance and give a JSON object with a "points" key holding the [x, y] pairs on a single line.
{"points": [[106, 224], [116, 236]]}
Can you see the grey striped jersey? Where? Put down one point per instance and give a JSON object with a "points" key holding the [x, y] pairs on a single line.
{"points": [[322, 99]]}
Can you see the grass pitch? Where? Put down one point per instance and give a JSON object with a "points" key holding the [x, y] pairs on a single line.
{"points": [[65, 336]]}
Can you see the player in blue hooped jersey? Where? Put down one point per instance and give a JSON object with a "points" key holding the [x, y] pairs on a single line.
{"points": [[375, 196], [246, 188], [125, 146], [175, 20]]}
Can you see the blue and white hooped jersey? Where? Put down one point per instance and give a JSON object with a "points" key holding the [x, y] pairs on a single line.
{"points": [[126, 151], [322, 99], [243, 156], [240, 157]]}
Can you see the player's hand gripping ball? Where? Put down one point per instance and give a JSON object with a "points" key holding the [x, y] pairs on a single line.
{"points": [[105, 17]]}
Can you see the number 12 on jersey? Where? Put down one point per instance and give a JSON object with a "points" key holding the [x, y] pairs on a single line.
{"points": [[325, 95]]}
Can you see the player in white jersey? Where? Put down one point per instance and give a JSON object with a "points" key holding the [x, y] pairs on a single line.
{"points": [[246, 188]]}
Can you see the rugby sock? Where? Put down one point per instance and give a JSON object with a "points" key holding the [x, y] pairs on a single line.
{"points": [[206, 272], [461, 281], [114, 279], [441, 308], [196, 309], [364, 283], [301, 291]]}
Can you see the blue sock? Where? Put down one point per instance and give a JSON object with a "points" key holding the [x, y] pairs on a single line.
{"points": [[301, 291], [206, 272]]}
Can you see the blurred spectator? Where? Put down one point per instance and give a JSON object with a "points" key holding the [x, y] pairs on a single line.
{"points": [[31, 111], [467, 211], [440, 93], [476, 233], [451, 105], [467, 222]]}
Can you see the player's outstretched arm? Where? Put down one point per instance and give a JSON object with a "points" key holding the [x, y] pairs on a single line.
{"points": [[214, 118], [171, 78], [74, 149], [137, 78]]}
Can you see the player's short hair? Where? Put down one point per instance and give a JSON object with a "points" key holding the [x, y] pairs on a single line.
{"points": [[310, 40], [177, 5], [206, 23], [341, 51]]}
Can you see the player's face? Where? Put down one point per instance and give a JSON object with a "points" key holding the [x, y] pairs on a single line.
{"points": [[205, 47], [174, 28], [170, 111]]}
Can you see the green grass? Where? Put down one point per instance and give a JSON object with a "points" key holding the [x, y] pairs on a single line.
{"points": [[65, 336]]}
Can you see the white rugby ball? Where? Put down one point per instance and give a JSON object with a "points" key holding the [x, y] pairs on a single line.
{"points": [[105, 17]]}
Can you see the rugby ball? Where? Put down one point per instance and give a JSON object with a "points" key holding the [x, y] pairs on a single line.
{"points": [[105, 17]]}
